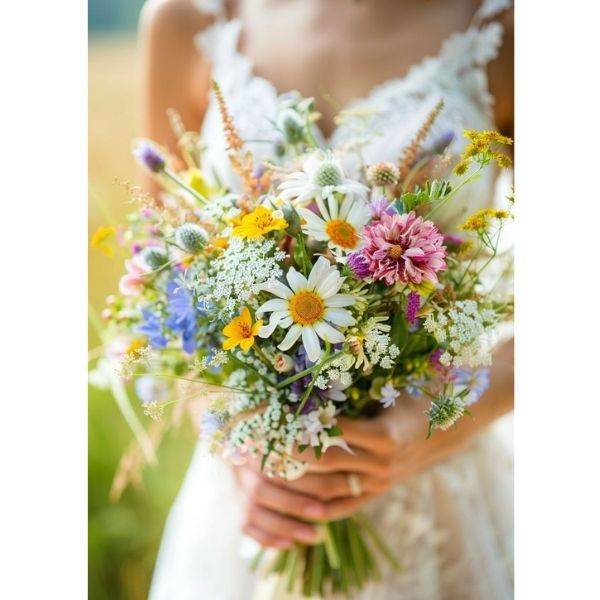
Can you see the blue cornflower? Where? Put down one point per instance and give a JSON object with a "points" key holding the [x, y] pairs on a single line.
{"points": [[152, 328], [182, 315], [477, 382], [413, 387]]}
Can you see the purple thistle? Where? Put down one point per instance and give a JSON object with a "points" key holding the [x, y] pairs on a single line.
{"points": [[379, 207], [412, 307], [452, 240], [149, 157], [359, 265]]}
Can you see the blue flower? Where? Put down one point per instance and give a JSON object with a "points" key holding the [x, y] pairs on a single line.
{"points": [[182, 315], [152, 329], [413, 387], [477, 382], [150, 390], [210, 423]]}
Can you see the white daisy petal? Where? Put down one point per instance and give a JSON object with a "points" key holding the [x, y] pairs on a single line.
{"points": [[358, 215], [289, 340], [340, 300], [311, 344], [319, 271], [328, 333], [339, 316], [296, 280], [330, 285], [347, 204], [277, 289], [271, 305], [312, 220], [332, 204], [267, 330]]}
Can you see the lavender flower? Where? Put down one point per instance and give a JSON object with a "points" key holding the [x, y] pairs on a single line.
{"points": [[476, 381], [359, 265], [152, 329], [412, 307], [149, 157], [182, 315]]}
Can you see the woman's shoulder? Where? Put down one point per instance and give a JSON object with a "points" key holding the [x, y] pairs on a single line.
{"points": [[174, 17]]}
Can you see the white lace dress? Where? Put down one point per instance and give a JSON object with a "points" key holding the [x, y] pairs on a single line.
{"points": [[451, 526]]}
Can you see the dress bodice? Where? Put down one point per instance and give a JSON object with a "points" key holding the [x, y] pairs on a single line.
{"points": [[383, 122]]}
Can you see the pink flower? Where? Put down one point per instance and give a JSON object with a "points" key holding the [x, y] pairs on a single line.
{"points": [[404, 248], [133, 283]]}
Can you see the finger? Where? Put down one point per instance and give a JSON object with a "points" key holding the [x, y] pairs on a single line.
{"points": [[336, 459], [274, 524], [369, 436], [330, 486], [285, 500], [265, 539], [345, 507]]}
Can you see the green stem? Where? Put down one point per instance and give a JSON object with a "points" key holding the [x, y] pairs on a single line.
{"points": [[308, 371], [364, 522], [246, 365], [182, 184], [330, 549], [453, 192]]}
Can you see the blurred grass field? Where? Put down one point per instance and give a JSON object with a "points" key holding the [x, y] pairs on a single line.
{"points": [[123, 537]]}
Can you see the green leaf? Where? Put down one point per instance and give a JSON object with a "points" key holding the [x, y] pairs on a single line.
{"points": [[399, 332], [334, 431]]}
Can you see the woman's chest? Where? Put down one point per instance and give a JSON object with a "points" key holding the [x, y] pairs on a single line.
{"points": [[337, 57]]}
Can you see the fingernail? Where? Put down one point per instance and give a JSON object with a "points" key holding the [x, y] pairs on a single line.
{"points": [[307, 535], [315, 510], [281, 543]]}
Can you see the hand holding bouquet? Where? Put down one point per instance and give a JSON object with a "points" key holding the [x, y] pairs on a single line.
{"points": [[305, 296]]}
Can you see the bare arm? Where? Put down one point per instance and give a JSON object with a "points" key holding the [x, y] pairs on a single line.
{"points": [[174, 74]]}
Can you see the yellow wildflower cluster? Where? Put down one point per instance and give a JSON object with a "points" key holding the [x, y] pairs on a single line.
{"points": [[481, 151], [260, 221], [481, 220]]}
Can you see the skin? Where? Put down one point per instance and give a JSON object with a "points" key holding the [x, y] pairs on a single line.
{"points": [[337, 49]]}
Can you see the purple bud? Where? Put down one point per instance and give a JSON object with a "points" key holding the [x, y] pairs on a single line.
{"points": [[359, 265], [443, 141], [412, 307], [149, 157], [259, 171], [452, 240]]}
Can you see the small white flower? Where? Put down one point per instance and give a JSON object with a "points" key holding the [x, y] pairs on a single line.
{"points": [[388, 395], [309, 308], [321, 177]]}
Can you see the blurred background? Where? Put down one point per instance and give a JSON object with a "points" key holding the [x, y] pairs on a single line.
{"points": [[124, 535]]}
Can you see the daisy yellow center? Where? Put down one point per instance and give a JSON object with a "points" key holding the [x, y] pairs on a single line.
{"points": [[306, 308], [396, 252], [342, 233]]}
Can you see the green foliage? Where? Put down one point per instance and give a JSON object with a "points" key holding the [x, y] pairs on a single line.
{"points": [[434, 191]]}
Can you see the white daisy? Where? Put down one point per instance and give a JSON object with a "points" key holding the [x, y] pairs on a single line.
{"points": [[309, 308], [321, 177], [339, 223]]}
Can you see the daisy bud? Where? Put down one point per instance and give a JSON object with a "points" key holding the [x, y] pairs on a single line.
{"points": [[328, 174], [383, 174], [155, 257], [291, 125], [149, 157], [283, 362], [190, 237]]}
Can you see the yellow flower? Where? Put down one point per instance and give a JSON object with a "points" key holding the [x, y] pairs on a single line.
{"points": [[260, 221], [196, 181], [480, 220], [99, 239], [240, 331]]}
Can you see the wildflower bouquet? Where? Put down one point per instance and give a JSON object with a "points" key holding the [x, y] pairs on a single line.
{"points": [[307, 295]]}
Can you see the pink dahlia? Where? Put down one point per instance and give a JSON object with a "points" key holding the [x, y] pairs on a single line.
{"points": [[404, 248]]}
